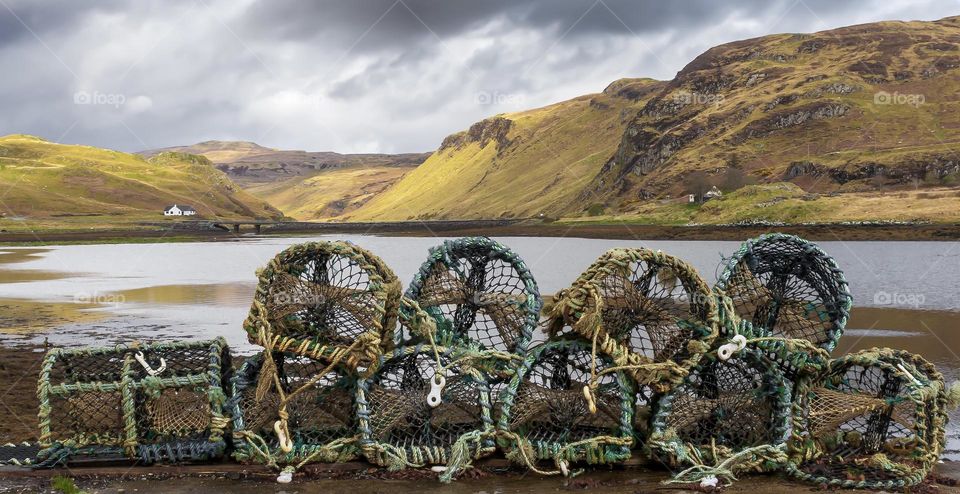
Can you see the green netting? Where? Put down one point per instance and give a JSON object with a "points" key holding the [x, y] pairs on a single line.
{"points": [[317, 403], [408, 418], [788, 287], [480, 293], [875, 420], [162, 402], [329, 301], [650, 312], [727, 416], [547, 415]]}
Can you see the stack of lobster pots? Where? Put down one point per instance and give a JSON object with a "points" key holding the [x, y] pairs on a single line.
{"points": [[639, 359]]}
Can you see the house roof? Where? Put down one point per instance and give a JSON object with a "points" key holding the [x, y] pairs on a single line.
{"points": [[181, 208]]}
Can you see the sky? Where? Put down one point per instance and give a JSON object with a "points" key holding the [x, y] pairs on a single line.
{"points": [[354, 75]]}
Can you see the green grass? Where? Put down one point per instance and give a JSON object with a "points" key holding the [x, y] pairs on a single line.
{"points": [[43, 181], [65, 485]]}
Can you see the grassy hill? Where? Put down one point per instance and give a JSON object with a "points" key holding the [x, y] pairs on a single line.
{"points": [[516, 164], [858, 116], [330, 193], [44, 182], [304, 185]]}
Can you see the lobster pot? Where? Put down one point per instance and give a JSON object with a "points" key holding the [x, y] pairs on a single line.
{"points": [[321, 419], [325, 300], [480, 293], [876, 421], [642, 307], [724, 408], [787, 287], [546, 414], [410, 417], [151, 403]]}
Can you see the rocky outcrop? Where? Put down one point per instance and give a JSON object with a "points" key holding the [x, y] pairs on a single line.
{"points": [[791, 118], [483, 132]]}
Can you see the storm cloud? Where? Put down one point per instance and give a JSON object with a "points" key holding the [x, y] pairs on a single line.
{"points": [[354, 76]]}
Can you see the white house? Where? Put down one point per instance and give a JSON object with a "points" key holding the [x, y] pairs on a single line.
{"points": [[179, 211], [713, 193]]}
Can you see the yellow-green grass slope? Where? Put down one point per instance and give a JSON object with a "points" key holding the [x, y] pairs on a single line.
{"points": [[516, 164], [44, 183], [785, 202], [328, 193]]}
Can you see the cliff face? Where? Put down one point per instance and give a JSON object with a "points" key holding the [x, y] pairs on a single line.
{"points": [[854, 108]]}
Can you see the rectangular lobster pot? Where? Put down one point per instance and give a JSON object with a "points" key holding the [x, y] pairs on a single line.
{"points": [[157, 403], [320, 412]]}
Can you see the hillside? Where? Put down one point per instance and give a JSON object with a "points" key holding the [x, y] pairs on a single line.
{"points": [[516, 164], [329, 193], [858, 111], [42, 180], [249, 163]]}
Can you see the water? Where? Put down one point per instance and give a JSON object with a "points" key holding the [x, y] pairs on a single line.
{"points": [[203, 289]]}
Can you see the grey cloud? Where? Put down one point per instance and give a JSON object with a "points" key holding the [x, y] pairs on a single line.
{"points": [[328, 75]]}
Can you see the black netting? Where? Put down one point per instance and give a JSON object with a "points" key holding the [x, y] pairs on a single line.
{"points": [[788, 287], [125, 401], [549, 408], [399, 419], [653, 309], [874, 422], [319, 415], [731, 405], [478, 291]]}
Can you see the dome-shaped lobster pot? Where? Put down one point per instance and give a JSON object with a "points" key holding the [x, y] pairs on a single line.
{"points": [[722, 408], [325, 300], [156, 403], [319, 405], [875, 421], [480, 293], [419, 405], [643, 306], [788, 287], [546, 415]]}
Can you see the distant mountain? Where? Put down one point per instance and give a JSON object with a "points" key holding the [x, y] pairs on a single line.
{"points": [[857, 111], [304, 185], [250, 163], [43, 180]]}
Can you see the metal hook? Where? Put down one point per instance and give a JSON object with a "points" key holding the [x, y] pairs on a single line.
{"points": [[150, 370]]}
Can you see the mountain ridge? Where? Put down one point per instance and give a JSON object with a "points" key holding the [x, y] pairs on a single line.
{"points": [[855, 111]]}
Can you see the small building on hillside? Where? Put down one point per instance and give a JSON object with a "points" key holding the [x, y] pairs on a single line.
{"points": [[176, 210], [713, 193]]}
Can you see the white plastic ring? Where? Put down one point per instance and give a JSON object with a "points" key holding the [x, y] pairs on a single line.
{"points": [[437, 382]]}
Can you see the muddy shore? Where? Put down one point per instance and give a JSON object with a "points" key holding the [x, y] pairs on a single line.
{"points": [[622, 231]]}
